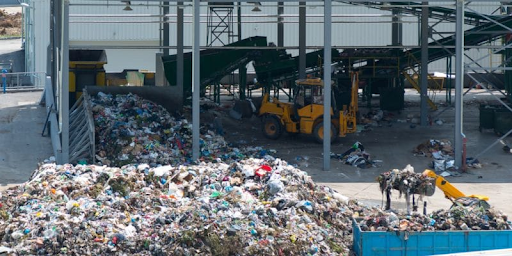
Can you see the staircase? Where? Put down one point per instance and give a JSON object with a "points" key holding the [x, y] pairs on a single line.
{"points": [[416, 86]]}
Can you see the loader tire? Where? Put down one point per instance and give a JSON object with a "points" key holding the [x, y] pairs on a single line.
{"points": [[318, 132], [272, 127]]}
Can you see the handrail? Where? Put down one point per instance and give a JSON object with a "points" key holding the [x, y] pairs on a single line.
{"points": [[18, 80]]}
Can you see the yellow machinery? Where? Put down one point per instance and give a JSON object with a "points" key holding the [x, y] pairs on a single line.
{"points": [[85, 68], [455, 195], [305, 114]]}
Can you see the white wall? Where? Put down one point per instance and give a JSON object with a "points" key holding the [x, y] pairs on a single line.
{"points": [[120, 59], [353, 31], [37, 35]]}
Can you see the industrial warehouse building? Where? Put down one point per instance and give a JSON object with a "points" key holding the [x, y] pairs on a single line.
{"points": [[263, 128]]}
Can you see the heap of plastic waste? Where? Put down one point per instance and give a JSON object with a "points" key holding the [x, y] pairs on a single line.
{"points": [[251, 207], [132, 130]]}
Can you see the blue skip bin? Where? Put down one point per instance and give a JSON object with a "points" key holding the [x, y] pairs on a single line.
{"points": [[379, 243]]}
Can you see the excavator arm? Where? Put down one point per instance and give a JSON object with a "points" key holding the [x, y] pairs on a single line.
{"points": [[450, 191]]}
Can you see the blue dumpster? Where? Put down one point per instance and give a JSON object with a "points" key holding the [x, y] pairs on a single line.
{"points": [[379, 243]]}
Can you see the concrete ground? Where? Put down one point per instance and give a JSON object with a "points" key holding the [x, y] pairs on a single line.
{"points": [[11, 51], [23, 146]]}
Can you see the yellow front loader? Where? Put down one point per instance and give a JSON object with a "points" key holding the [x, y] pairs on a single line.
{"points": [[304, 115], [455, 195]]}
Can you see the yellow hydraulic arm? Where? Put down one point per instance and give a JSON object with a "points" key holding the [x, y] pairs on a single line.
{"points": [[449, 190], [348, 117]]}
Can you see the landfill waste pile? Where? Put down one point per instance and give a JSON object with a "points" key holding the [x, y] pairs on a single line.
{"points": [[252, 207], [456, 218], [406, 181], [130, 129], [356, 156], [159, 202]]}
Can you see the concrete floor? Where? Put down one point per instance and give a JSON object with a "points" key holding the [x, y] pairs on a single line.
{"points": [[11, 51], [23, 147]]}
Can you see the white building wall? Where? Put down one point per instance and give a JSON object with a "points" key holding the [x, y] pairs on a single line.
{"points": [[359, 26], [37, 31], [121, 59], [89, 21]]}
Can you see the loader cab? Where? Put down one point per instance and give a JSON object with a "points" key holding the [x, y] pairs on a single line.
{"points": [[311, 92]]}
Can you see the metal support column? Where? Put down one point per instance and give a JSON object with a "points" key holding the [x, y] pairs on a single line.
{"points": [[242, 70], [280, 24], [396, 28], [302, 40], [424, 65], [459, 82], [166, 29], [327, 84], [179, 53], [507, 60], [56, 19], [64, 83], [196, 83]]}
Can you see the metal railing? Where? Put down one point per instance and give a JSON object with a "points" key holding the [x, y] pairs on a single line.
{"points": [[51, 119], [22, 81], [81, 130]]}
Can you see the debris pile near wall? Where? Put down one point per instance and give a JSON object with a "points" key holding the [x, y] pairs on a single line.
{"points": [[132, 130]]}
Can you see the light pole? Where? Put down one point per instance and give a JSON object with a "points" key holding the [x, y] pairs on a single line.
{"points": [[23, 29], [27, 17]]}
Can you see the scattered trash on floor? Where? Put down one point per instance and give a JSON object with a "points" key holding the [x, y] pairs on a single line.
{"points": [[355, 156], [506, 146], [442, 153], [431, 147], [443, 156]]}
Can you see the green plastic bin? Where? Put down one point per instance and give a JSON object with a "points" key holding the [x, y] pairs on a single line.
{"points": [[502, 121], [392, 98], [487, 116]]}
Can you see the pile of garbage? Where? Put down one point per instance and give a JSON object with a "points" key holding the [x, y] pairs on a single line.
{"points": [[132, 130], [407, 182], [356, 156], [456, 218], [253, 207], [434, 148], [441, 151]]}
